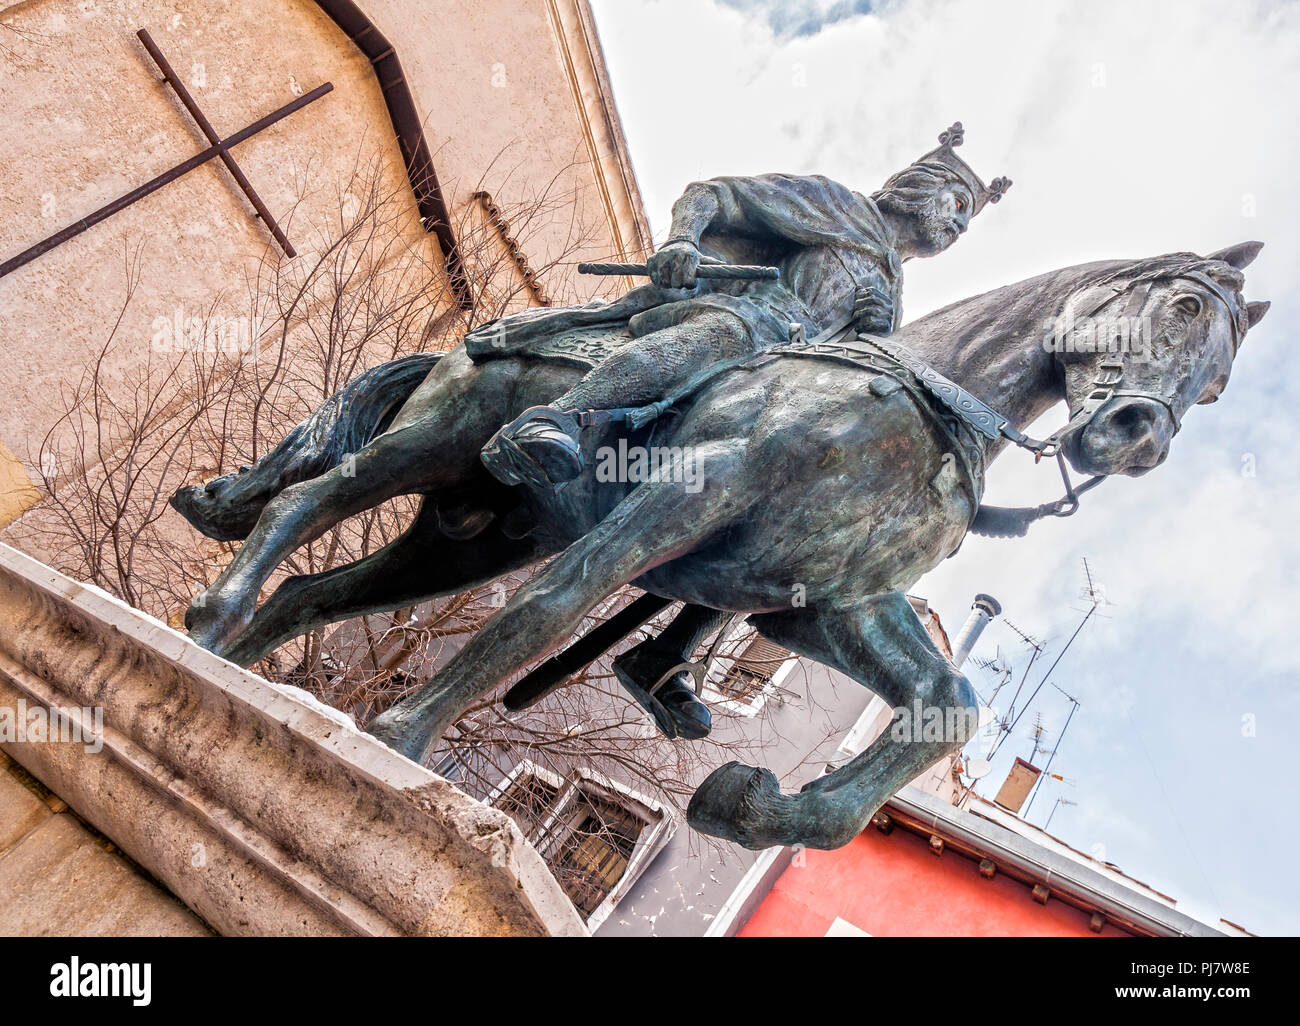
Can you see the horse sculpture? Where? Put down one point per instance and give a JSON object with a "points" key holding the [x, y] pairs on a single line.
{"points": [[839, 469]]}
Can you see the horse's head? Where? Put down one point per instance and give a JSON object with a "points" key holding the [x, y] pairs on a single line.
{"points": [[1144, 343]]}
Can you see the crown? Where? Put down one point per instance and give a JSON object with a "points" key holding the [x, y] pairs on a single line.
{"points": [[944, 160]]}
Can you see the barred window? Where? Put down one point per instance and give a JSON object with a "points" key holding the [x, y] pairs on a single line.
{"points": [[748, 677], [528, 801], [594, 856], [586, 831]]}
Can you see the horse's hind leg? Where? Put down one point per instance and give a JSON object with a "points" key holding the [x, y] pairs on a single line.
{"points": [[882, 645], [227, 507], [422, 564], [431, 448], [657, 522]]}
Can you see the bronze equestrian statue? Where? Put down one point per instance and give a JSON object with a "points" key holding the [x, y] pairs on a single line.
{"points": [[840, 259], [841, 466]]}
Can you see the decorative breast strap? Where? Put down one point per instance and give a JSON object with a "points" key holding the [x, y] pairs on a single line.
{"points": [[974, 411]]}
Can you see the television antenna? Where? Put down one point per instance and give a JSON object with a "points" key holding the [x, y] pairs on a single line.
{"points": [[1039, 734], [1059, 803], [1097, 597], [1037, 646], [1025, 636], [1093, 591], [1074, 707], [1000, 669]]}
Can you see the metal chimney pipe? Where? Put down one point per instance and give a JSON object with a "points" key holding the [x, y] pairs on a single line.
{"points": [[984, 609]]}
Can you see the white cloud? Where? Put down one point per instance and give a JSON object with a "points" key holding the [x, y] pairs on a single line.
{"points": [[1129, 129]]}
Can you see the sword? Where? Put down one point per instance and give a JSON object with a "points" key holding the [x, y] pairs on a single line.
{"points": [[731, 271]]}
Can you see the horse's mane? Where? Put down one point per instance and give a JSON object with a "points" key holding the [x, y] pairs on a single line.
{"points": [[1042, 297], [1173, 265]]}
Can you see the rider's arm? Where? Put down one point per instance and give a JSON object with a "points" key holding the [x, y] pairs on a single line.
{"points": [[714, 206], [694, 213], [728, 205]]}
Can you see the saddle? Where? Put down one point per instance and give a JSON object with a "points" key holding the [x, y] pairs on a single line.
{"points": [[583, 347]]}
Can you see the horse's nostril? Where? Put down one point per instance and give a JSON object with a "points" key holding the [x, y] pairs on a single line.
{"points": [[1131, 420]]}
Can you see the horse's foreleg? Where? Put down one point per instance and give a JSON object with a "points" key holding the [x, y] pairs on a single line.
{"points": [[656, 523], [882, 645], [422, 564]]}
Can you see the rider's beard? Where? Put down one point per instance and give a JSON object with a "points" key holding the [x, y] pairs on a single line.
{"points": [[932, 231], [936, 228]]}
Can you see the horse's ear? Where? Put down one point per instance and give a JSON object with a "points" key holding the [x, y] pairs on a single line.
{"points": [[1239, 256], [1255, 313]]}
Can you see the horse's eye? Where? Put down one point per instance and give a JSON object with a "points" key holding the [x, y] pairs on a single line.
{"points": [[961, 205], [1190, 305]]}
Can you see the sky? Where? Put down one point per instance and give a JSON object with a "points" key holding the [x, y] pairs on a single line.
{"points": [[1129, 129]]}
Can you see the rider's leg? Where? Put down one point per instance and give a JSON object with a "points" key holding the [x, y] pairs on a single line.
{"points": [[641, 372], [649, 367], [676, 710]]}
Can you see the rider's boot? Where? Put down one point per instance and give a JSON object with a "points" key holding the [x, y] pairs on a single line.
{"points": [[676, 710], [540, 447], [673, 706]]}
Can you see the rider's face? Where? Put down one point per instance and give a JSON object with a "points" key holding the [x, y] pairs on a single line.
{"points": [[938, 223], [947, 218]]}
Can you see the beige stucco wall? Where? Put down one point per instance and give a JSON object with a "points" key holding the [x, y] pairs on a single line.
{"points": [[16, 491], [84, 118], [523, 79]]}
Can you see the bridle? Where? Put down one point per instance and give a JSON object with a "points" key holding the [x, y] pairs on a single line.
{"points": [[1110, 373], [1106, 386]]}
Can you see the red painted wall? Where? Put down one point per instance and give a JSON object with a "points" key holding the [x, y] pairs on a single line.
{"points": [[894, 886]]}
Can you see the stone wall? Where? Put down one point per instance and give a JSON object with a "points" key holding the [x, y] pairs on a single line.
{"points": [[60, 879]]}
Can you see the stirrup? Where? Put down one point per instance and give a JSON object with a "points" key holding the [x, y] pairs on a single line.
{"points": [[696, 670], [647, 697]]}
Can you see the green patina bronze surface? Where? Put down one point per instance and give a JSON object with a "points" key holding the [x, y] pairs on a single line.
{"points": [[837, 480]]}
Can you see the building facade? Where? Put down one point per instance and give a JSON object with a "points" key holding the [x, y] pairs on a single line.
{"points": [[926, 868], [462, 111]]}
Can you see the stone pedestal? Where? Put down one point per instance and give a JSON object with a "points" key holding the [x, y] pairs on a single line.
{"points": [[263, 810]]}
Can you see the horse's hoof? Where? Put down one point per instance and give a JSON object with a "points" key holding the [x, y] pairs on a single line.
{"points": [[209, 511], [397, 735], [743, 804], [214, 623]]}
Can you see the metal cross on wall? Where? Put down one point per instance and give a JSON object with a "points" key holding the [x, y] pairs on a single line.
{"points": [[219, 148]]}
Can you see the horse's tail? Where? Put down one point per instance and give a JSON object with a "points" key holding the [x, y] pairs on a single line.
{"points": [[227, 507]]}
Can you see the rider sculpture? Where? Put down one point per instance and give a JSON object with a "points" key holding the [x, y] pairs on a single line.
{"points": [[840, 256]]}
